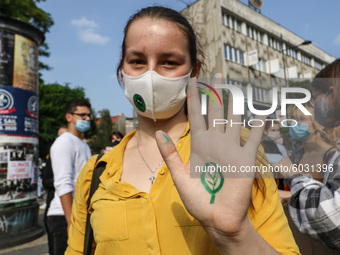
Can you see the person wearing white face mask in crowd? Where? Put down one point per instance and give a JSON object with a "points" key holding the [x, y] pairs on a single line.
{"points": [[273, 142], [68, 153], [276, 153], [315, 205], [146, 202]]}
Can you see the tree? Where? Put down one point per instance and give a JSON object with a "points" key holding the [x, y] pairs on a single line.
{"points": [[104, 130], [52, 100], [28, 11]]}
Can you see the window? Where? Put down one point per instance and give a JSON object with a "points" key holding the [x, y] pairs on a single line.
{"points": [[254, 34], [305, 59], [231, 22], [317, 65], [261, 94], [291, 52], [274, 43], [233, 54], [261, 65]]}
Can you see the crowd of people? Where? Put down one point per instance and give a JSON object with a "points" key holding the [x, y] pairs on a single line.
{"points": [[146, 201]]}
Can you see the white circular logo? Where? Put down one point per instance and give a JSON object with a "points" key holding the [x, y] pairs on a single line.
{"points": [[32, 104], [6, 100]]}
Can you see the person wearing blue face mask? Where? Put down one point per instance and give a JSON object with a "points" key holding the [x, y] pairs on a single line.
{"points": [[69, 153], [300, 132], [316, 147], [315, 205]]}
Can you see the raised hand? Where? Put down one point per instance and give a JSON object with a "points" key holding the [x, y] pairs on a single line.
{"points": [[219, 202]]}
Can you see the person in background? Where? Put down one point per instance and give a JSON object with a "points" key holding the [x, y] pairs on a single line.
{"points": [[276, 153], [116, 137], [273, 143], [316, 148], [69, 153], [315, 206], [47, 182]]}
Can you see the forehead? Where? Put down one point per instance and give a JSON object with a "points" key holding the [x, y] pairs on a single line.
{"points": [[274, 126], [82, 109], [147, 33]]}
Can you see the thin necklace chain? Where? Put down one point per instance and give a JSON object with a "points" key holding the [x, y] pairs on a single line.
{"points": [[152, 177]]}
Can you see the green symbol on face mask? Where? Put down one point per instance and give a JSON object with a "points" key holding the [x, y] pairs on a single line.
{"points": [[216, 182], [139, 102]]}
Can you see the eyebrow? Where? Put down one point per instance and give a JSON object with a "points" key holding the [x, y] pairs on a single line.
{"points": [[134, 52], [165, 54]]}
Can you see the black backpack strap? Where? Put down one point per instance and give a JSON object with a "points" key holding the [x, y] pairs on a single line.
{"points": [[97, 172]]}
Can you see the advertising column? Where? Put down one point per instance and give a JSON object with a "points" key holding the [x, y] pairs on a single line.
{"points": [[19, 110]]}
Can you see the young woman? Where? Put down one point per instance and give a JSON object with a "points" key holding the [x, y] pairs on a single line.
{"points": [[315, 206], [140, 206], [316, 148]]}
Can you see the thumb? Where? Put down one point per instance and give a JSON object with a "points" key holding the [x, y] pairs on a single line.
{"points": [[169, 153]]}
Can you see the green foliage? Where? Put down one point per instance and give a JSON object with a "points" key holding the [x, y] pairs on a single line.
{"points": [[103, 135], [28, 11], [52, 101]]}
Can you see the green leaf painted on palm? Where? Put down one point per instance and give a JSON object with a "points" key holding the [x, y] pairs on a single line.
{"points": [[211, 186]]}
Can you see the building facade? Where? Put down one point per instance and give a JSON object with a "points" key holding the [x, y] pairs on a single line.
{"points": [[249, 48]]}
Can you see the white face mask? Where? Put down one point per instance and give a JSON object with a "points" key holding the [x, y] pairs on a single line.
{"points": [[155, 96], [273, 135]]}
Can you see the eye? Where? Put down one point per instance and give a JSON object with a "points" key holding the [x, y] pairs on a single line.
{"points": [[169, 63], [136, 62]]}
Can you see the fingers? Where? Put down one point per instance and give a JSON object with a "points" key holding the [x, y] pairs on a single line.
{"points": [[216, 109], [169, 153], [196, 119], [255, 136], [234, 121]]}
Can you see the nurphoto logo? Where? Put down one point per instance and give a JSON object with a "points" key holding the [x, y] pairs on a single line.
{"points": [[239, 103]]}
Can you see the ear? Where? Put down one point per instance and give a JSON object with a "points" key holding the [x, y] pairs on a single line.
{"points": [[331, 92], [121, 74], [68, 117], [196, 69]]}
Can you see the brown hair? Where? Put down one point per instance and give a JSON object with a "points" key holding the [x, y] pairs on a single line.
{"points": [[324, 80], [270, 123], [163, 13], [332, 72]]}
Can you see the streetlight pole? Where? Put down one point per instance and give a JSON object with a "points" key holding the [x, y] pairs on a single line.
{"points": [[283, 51]]}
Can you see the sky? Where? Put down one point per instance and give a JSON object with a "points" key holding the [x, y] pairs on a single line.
{"points": [[85, 40]]}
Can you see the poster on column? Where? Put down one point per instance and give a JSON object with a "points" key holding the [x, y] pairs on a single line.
{"points": [[18, 143], [6, 57], [18, 112], [25, 64], [19, 170]]}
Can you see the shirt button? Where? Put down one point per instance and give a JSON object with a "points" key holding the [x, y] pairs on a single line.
{"points": [[161, 171]]}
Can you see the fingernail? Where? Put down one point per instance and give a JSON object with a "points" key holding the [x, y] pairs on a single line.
{"points": [[160, 134], [165, 137], [216, 76]]}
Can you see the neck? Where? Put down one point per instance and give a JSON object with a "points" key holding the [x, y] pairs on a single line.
{"points": [[74, 131], [315, 139], [174, 126]]}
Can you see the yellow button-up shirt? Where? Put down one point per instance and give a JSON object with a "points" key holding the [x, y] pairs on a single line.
{"points": [[128, 221]]}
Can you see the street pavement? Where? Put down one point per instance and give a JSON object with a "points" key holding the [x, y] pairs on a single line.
{"points": [[36, 247]]}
